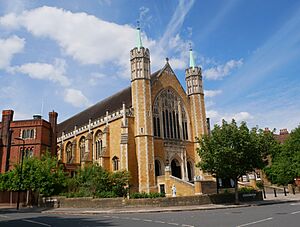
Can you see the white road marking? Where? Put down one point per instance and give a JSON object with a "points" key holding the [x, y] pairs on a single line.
{"points": [[36, 222], [160, 222], [171, 223], [106, 216], [251, 223], [296, 212], [136, 219], [147, 220], [3, 216], [115, 217], [295, 204], [187, 225]]}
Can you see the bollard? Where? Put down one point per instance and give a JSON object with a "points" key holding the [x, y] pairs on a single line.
{"points": [[284, 191], [275, 195]]}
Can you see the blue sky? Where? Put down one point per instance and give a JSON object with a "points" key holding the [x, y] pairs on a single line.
{"points": [[67, 55]]}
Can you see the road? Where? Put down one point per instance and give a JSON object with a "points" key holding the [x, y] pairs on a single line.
{"points": [[286, 215]]}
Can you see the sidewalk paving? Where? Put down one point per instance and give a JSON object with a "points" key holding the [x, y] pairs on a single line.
{"points": [[270, 199]]}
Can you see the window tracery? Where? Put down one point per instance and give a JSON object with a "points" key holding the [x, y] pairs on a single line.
{"points": [[82, 147], [69, 152], [98, 143], [169, 116]]}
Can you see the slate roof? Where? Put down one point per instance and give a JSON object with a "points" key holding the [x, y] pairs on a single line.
{"points": [[98, 110]]}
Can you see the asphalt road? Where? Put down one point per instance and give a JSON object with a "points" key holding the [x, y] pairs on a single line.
{"points": [[286, 215]]}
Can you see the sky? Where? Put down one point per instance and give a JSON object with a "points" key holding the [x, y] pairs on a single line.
{"points": [[67, 55]]}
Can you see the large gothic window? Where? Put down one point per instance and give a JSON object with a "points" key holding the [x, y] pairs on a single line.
{"points": [[82, 147], [98, 143], [169, 116]]}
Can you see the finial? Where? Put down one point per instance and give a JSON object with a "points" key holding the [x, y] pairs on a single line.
{"points": [[167, 59], [190, 45], [139, 39], [192, 61]]}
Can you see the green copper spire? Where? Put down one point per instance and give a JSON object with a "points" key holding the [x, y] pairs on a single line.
{"points": [[139, 38], [192, 61]]}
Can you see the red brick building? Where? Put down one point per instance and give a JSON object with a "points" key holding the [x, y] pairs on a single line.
{"points": [[35, 135]]}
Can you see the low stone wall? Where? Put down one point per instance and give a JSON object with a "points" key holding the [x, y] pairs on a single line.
{"points": [[157, 202]]}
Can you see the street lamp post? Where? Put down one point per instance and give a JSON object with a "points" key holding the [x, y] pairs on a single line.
{"points": [[21, 174]]}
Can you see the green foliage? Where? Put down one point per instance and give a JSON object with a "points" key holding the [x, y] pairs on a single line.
{"points": [[232, 151], [94, 181], [138, 195], [44, 175], [247, 190], [260, 184], [286, 161]]}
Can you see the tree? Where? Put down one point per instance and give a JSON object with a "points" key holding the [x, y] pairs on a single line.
{"points": [[231, 151], [43, 175], [285, 164]]}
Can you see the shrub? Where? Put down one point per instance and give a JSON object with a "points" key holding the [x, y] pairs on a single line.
{"points": [[247, 190], [260, 184], [139, 195]]}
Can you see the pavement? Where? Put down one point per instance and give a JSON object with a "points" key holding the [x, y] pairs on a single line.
{"points": [[269, 200]]}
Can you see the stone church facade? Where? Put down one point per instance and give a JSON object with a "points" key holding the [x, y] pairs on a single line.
{"points": [[148, 129]]}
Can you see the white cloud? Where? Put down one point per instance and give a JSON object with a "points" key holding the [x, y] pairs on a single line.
{"points": [[212, 93], [212, 114], [220, 71], [8, 48], [44, 71], [241, 116], [217, 117], [76, 98]]}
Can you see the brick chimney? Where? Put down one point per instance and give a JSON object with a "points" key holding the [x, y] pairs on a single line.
{"points": [[53, 122], [7, 117], [283, 131]]}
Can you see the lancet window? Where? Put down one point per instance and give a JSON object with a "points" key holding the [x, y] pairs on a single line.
{"points": [[98, 143], [169, 116], [82, 147], [69, 152]]}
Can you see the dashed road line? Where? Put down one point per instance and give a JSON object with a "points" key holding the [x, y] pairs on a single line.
{"points": [[160, 222], [171, 223], [36, 222], [184, 225], [136, 219], [3, 216], [147, 220], [255, 222], [296, 212]]}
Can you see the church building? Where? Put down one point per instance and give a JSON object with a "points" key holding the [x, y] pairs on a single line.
{"points": [[148, 129]]}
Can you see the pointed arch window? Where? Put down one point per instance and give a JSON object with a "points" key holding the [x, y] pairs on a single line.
{"points": [[115, 162], [98, 144], [170, 115], [69, 152], [82, 147]]}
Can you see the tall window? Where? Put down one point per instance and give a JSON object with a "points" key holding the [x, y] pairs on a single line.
{"points": [[169, 112], [98, 144], [82, 147], [69, 152], [115, 161]]}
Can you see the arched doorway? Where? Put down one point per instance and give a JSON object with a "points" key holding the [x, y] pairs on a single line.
{"points": [[176, 168], [190, 171]]}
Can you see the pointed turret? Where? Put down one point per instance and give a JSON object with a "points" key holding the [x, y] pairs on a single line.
{"points": [[139, 43], [142, 105], [193, 78], [192, 61]]}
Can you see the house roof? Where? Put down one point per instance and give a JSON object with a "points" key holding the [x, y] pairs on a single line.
{"points": [[98, 110]]}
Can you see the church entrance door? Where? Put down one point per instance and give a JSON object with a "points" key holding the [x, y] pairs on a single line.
{"points": [[176, 168]]}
